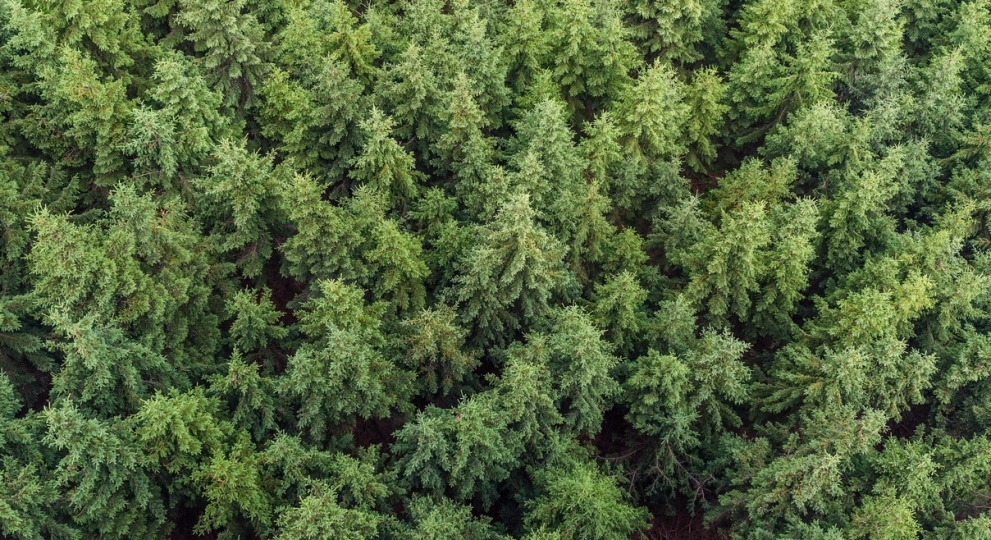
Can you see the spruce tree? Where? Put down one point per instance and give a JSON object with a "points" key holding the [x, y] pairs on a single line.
{"points": [[542, 269]]}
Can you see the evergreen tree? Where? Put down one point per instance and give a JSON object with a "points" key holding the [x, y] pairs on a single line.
{"points": [[382, 163], [320, 515], [674, 29], [590, 56], [581, 502], [111, 491], [468, 449], [509, 276], [541, 269], [241, 192], [233, 46], [341, 372], [434, 345]]}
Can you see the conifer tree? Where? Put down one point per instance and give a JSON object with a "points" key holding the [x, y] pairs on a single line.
{"points": [[581, 363], [542, 269], [509, 276], [341, 372], [591, 57], [241, 195], [447, 519], [468, 449], [581, 502], [434, 345], [674, 29], [141, 268], [111, 491], [320, 515], [233, 46], [382, 163]]}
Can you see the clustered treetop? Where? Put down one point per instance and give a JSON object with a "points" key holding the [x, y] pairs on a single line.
{"points": [[536, 269]]}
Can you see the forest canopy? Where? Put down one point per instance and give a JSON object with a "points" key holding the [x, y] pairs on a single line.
{"points": [[493, 269]]}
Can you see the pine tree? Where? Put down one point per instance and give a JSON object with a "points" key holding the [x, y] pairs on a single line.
{"points": [[323, 239], [111, 492], [581, 363], [233, 46], [314, 118], [540, 269], [619, 309], [437, 520], [179, 125], [382, 163], [582, 502], [29, 507], [509, 276], [320, 515], [726, 266], [434, 346], [784, 62], [341, 372], [705, 96], [528, 396], [673, 29], [255, 320], [649, 116], [141, 268], [241, 194], [468, 449], [591, 57], [252, 395], [525, 45], [231, 484]]}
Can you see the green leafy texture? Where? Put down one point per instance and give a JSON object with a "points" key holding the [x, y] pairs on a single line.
{"points": [[142, 267], [231, 484], [705, 96], [233, 46], [808, 476], [179, 125], [673, 29], [356, 242], [28, 507], [434, 346], [382, 163], [241, 192], [783, 62], [582, 502], [251, 394], [319, 515], [725, 267], [549, 167], [111, 492], [175, 430], [103, 369], [469, 449], [255, 320], [788, 264], [619, 310], [856, 215], [509, 276], [454, 269], [342, 372], [590, 55], [650, 116], [446, 519], [527, 395], [314, 120], [581, 363], [92, 114]]}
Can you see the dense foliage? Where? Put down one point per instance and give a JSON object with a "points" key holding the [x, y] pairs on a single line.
{"points": [[451, 269]]}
